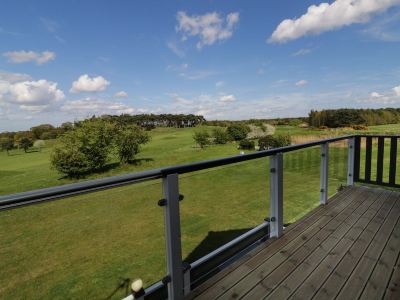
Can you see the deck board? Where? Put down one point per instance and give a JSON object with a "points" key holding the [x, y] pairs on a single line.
{"points": [[338, 250]]}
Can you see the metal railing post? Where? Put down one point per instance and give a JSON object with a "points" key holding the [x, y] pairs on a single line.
{"points": [[276, 195], [173, 236], [350, 162], [186, 279], [324, 173]]}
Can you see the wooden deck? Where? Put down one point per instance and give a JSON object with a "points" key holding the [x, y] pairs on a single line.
{"points": [[347, 249]]}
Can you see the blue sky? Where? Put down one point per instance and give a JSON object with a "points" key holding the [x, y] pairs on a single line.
{"points": [[61, 61]]}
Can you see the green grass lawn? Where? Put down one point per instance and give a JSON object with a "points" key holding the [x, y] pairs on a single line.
{"points": [[84, 247]]}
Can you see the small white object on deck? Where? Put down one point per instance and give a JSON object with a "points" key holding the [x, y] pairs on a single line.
{"points": [[137, 285]]}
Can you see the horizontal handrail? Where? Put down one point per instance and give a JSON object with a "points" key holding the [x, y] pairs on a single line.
{"points": [[73, 189]]}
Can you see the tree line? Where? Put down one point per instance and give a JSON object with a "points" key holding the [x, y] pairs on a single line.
{"points": [[26, 139], [239, 132], [150, 121], [347, 117]]}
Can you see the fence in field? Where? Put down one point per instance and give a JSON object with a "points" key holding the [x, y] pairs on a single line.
{"points": [[324, 156]]}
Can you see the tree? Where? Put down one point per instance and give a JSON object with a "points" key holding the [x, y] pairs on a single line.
{"points": [[85, 149], [22, 134], [26, 143], [128, 141], [39, 130], [238, 131], [201, 138], [6, 144], [220, 136], [270, 141], [246, 144], [67, 126]]}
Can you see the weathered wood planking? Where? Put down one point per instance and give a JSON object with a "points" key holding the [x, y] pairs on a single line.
{"points": [[214, 288], [347, 249]]}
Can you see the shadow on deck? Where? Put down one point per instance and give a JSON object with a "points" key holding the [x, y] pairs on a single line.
{"points": [[346, 249]]}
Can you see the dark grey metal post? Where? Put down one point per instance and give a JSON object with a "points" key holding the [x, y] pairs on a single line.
{"points": [[173, 237], [350, 162], [276, 194], [186, 282], [324, 173]]}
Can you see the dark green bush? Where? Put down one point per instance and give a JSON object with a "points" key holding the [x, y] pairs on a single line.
{"points": [[201, 138], [84, 149], [128, 141], [359, 127], [6, 144], [220, 136], [271, 141], [25, 143], [246, 144], [238, 132]]}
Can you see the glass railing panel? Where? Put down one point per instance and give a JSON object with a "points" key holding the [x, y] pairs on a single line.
{"points": [[301, 183], [222, 203], [85, 247], [337, 168]]}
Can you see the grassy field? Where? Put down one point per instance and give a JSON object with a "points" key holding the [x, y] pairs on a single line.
{"points": [[85, 247]]}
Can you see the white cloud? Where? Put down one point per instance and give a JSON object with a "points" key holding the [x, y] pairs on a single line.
{"points": [[375, 95], [13, 77], [88, 84], [19, 57], [301, 82], [209, 28], [179, 99], [302, 52], [121, 94], [227, 98], [93, 106], [34, 96], [385, 98], [396, 90], [211, 107], [175, 49], [326, 17]]}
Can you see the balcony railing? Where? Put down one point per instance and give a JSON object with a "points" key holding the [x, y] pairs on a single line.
{"points": [[183, 277]]}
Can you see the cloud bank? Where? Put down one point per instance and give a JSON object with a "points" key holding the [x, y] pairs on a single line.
{"points": [[327, 17], [19, 57]]}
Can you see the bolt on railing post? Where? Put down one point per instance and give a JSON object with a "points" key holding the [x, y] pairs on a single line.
{"points": [[173, 236], [324, 173], [276, 194], [350, 161]]}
